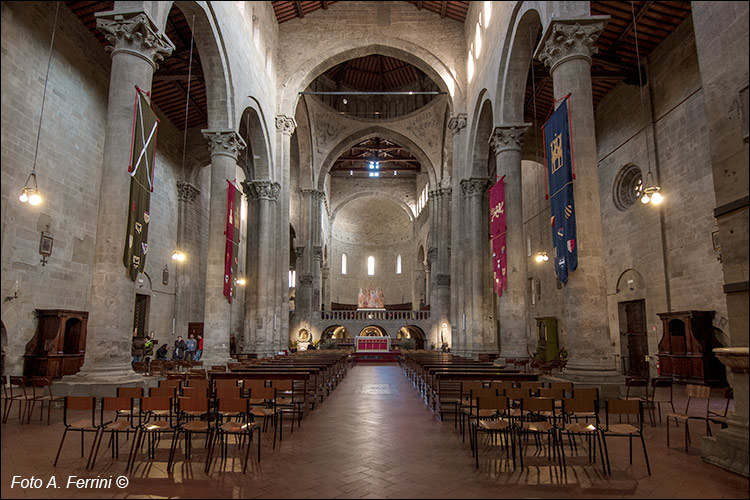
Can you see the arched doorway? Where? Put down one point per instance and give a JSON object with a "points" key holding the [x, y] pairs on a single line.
{"points": [[412, 332], [373, 331], [335, 332]]}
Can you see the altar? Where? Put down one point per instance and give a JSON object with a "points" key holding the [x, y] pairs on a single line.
{"points": [[372, 344]]}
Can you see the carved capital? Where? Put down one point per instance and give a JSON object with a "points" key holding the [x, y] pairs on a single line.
{"points": [[457, 123], [441, 192], [285, 124], [186, 191], [224, 142], [443, 280], [262, 190], [312, 193], [474, 186], [305, 279], [317, 252], [298, 251], [508, 137], [570, 38], [134, 33]]}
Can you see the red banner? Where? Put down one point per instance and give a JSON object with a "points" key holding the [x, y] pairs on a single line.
{"points": [[232, 232], [498, 228]]}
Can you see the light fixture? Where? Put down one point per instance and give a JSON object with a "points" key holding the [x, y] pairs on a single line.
{"points": [[178, 255], [541, 257], [651, 189], [240, 281], [30, 191]]}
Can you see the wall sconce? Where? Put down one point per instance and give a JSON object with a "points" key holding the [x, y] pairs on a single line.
{"points": [[45, 246], [165, 275], [541, 257]]}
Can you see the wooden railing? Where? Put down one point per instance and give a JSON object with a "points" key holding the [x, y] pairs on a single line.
{"points": [[375, 315]]}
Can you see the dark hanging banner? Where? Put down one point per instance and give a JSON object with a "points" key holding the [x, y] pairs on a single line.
{"points": [[141, 169], [232, 232], [498, 228], [560, 174]]}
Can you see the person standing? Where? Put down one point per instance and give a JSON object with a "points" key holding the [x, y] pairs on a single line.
{"points": [[136, 350], [148, 348], [179, 349], [199, 350], [191, 345]]}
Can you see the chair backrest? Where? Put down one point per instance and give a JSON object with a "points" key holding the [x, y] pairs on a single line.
{"points": [[551, 392], [579, 405], [221, 383], [140, 367], [267, 393], [697, 392], [624, 407], [115, 405], [283, 385], [162, 392], [253, 384], [485, 392], [177, 376], [130, 392], [634, 384], [218, 368], [19, 382], [501, 385], [661, 388], [171, 382], [531, 384], [499, 403], [195, 392], [198, 382], [39, 383], [228, 392], [586, 393], [192, 404], [518, 393], [79, 403], [538, 405], [566, 386], [156, 403], [196, 374], [467, 386], [230, 404]]}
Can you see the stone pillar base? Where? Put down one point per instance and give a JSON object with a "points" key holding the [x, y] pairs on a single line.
{"points": [[729, 450]]}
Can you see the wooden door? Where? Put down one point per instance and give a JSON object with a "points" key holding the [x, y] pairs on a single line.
{"points": [[635, 319], [195, 329], [140, 313]]}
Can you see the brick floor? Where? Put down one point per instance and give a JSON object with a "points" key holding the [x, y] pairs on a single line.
{"points": [[372, 438]]}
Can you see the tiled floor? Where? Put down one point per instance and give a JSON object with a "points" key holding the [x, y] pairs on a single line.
{"points": [[372, 438]]}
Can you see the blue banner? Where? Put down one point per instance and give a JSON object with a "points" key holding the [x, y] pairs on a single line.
{"points": [[560, 184]]}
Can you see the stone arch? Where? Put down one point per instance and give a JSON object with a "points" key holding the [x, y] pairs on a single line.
{"points": [[320, 62], [630, 281], [513, 73], [362, 194], [380, 131], [373, 331], [252, 128], [482, 159], [214, 62]]}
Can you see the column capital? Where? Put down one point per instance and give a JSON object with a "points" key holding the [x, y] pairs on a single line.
{"points": [[443, 280], [224, 142], [570, 38], [432, 254], [457, 123], [134, 33], [314, 193], [508, 137], [262, 189], [285, 124], [186, 191], [317, 252], [298, 251], [440, 192], [474, 186], [305, 279]]}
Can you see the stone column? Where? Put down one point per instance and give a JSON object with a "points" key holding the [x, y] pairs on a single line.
{"points": [[506, 143], [480, 331], [456, 124], [441, 278], [137, 46], [729, 448], [225, 147], [285, 126], [186, 273], [260, 302], [566, 48]]}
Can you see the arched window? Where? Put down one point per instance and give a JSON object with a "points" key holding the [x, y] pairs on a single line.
{"points": [[343, 263], [398, 264], [370, 265]]}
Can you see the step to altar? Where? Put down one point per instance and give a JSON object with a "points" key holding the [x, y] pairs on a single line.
{"points": [[377, 357]]}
